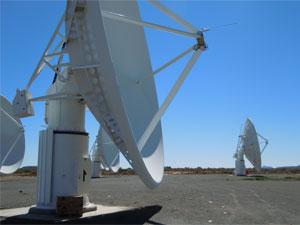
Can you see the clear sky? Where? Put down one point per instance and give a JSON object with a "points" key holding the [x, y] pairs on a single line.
{"points": [[251, 69]]}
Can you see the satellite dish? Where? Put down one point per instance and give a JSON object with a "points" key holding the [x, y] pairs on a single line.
{"points": [[117, 81], [108, 70], [12, 139], [104, 154], [249, 146], [121, 106]]}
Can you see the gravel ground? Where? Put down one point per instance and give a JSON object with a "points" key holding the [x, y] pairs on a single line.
{"points": [[185, 199]]}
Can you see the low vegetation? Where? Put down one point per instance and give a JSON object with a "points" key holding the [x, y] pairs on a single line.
{"points": [[32, 171]]}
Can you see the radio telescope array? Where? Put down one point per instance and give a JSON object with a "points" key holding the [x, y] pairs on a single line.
{"points": [[99, 55], [249, 146], [104, 155]]}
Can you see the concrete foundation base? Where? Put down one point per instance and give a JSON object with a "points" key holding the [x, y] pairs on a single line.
{"points": [[103, 215]]}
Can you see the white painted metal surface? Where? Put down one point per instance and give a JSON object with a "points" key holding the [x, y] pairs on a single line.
{"points": [[110, 71], [96, 169], [104, 154], [248, 145], [251, 145], [174, 16], [156, 118], [96, 159], [64, 165], [43, 61], [44, 170], [122, 107], [240, 168], [21, 105], [109, 34], [110, 153], [12, 141], [128, 19]]}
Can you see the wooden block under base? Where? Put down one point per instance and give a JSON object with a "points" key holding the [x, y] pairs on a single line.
{"points": [[69, 206]]}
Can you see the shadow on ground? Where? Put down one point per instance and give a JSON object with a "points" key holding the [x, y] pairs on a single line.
{"points": [[132, 216]]}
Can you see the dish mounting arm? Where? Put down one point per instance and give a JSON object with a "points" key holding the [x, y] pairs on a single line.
{"points": [[156, 118], [126, 19], [167, 64], [47, 57], [44, 60], [23, 97], [198, 49], [173, 15], [266, 142]]}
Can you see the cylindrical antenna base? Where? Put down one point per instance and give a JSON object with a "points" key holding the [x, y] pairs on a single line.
{"points": [[64, 166], [240, 169], [96, 169]]}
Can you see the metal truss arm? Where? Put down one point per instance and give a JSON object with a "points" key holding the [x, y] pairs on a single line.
{"points": [[12, 147], [173, 15], [13, 119], [55, 97], [54, 54], [172, 61], [262, 137], [266, 142], [41, 63], [126, 19], [156, 118], [167, 64]]}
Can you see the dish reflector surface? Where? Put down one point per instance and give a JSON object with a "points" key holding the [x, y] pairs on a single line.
{"points": [[251, 145], [122, 106], [12, 139], [110, 152]]}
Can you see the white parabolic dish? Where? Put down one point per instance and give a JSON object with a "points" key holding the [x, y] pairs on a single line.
{"points": [[120, 57], [12, 139], [251, 145], [109, 152]]}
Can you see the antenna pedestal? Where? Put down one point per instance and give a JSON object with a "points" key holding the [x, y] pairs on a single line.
{"points": [[96, 160], [64, 167], [240, 169], [96, 169]]}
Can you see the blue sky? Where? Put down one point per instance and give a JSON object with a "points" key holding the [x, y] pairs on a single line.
{"points": [[251, 69]]}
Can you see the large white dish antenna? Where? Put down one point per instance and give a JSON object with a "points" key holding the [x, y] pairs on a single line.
{"points": [[251, 145], [109, 152], [12, 141], [107, 58], [248, 145], [123, 106]]}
